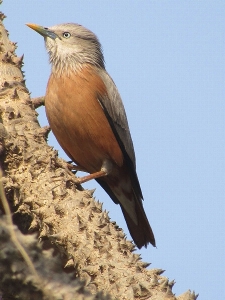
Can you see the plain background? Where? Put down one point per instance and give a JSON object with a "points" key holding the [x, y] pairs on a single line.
{"points": [[168, 61]]}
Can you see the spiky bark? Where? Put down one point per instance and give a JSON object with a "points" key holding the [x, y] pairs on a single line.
{"points": [[44, 199]]}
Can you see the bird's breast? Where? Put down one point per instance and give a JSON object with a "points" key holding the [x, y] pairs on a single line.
{"points": [[78, 120]]}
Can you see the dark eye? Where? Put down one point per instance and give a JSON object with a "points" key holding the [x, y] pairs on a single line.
{"points": [[66, 35]]}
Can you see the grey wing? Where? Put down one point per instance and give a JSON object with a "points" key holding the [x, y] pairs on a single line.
{"points": [[114, 109]]}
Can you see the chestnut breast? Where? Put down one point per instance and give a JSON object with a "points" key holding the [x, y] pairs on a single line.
{"points": [[78, 121]]}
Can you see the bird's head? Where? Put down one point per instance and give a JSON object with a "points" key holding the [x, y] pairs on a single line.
{"points": [[70, 45]]}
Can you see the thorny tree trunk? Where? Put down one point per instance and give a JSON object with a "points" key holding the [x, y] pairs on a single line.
{"points": [[44, 200]]}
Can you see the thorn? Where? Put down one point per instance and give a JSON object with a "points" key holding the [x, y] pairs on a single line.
{"points": [[37, 102], [33, 225], [48, 220], [18, 61], [82, 224], [90, 193], [106, 229], [97, 235], [39, 211], [15, 94], [144, 264], [164, 284], [2, 16], [57, 236], [171, 283], [157, 271], [44, 131], [82, 203], [43, 233], [154, 280], [70, 263]]}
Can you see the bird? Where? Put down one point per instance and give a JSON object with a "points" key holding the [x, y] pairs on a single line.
{"points": [[87, 116]]}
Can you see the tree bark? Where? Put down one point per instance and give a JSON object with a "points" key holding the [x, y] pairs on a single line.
{"points": [[44, 200]]}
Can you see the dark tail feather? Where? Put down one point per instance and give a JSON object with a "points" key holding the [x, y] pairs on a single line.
{"points": [[142, 233]]}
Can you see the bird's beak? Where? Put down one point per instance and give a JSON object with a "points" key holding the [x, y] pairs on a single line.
{"points": [[45, 32]]}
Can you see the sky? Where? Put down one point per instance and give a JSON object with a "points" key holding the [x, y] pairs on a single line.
{"points": [[167, 59]]}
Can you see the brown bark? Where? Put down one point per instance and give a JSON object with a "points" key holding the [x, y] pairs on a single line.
{"points": [[43, 198]]}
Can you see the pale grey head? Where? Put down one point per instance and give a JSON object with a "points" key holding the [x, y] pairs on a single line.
{"points": [[70, 45]]}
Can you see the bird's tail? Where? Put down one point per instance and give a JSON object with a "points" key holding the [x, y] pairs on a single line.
{"points": [[125, 192], [141, 232]]}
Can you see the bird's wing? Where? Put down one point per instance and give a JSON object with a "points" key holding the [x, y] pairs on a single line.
{"points": [[116, 115]]}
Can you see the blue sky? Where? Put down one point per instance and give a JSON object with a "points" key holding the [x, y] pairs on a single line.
{"points": [[167, 59]]}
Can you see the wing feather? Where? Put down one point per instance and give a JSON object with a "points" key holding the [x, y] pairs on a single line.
{"points": [[113, 106], [114, 110]]}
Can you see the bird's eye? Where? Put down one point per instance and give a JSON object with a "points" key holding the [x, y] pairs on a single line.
{"points": [[66, 35]]}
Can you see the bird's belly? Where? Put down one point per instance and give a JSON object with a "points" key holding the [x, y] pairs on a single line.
{"points": [[80, 126]]}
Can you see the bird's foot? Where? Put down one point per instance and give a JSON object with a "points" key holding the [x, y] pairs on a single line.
{"points": [[74, 168]]}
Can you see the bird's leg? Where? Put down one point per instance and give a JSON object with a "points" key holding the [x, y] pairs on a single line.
{"points": [[105, 170]]}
